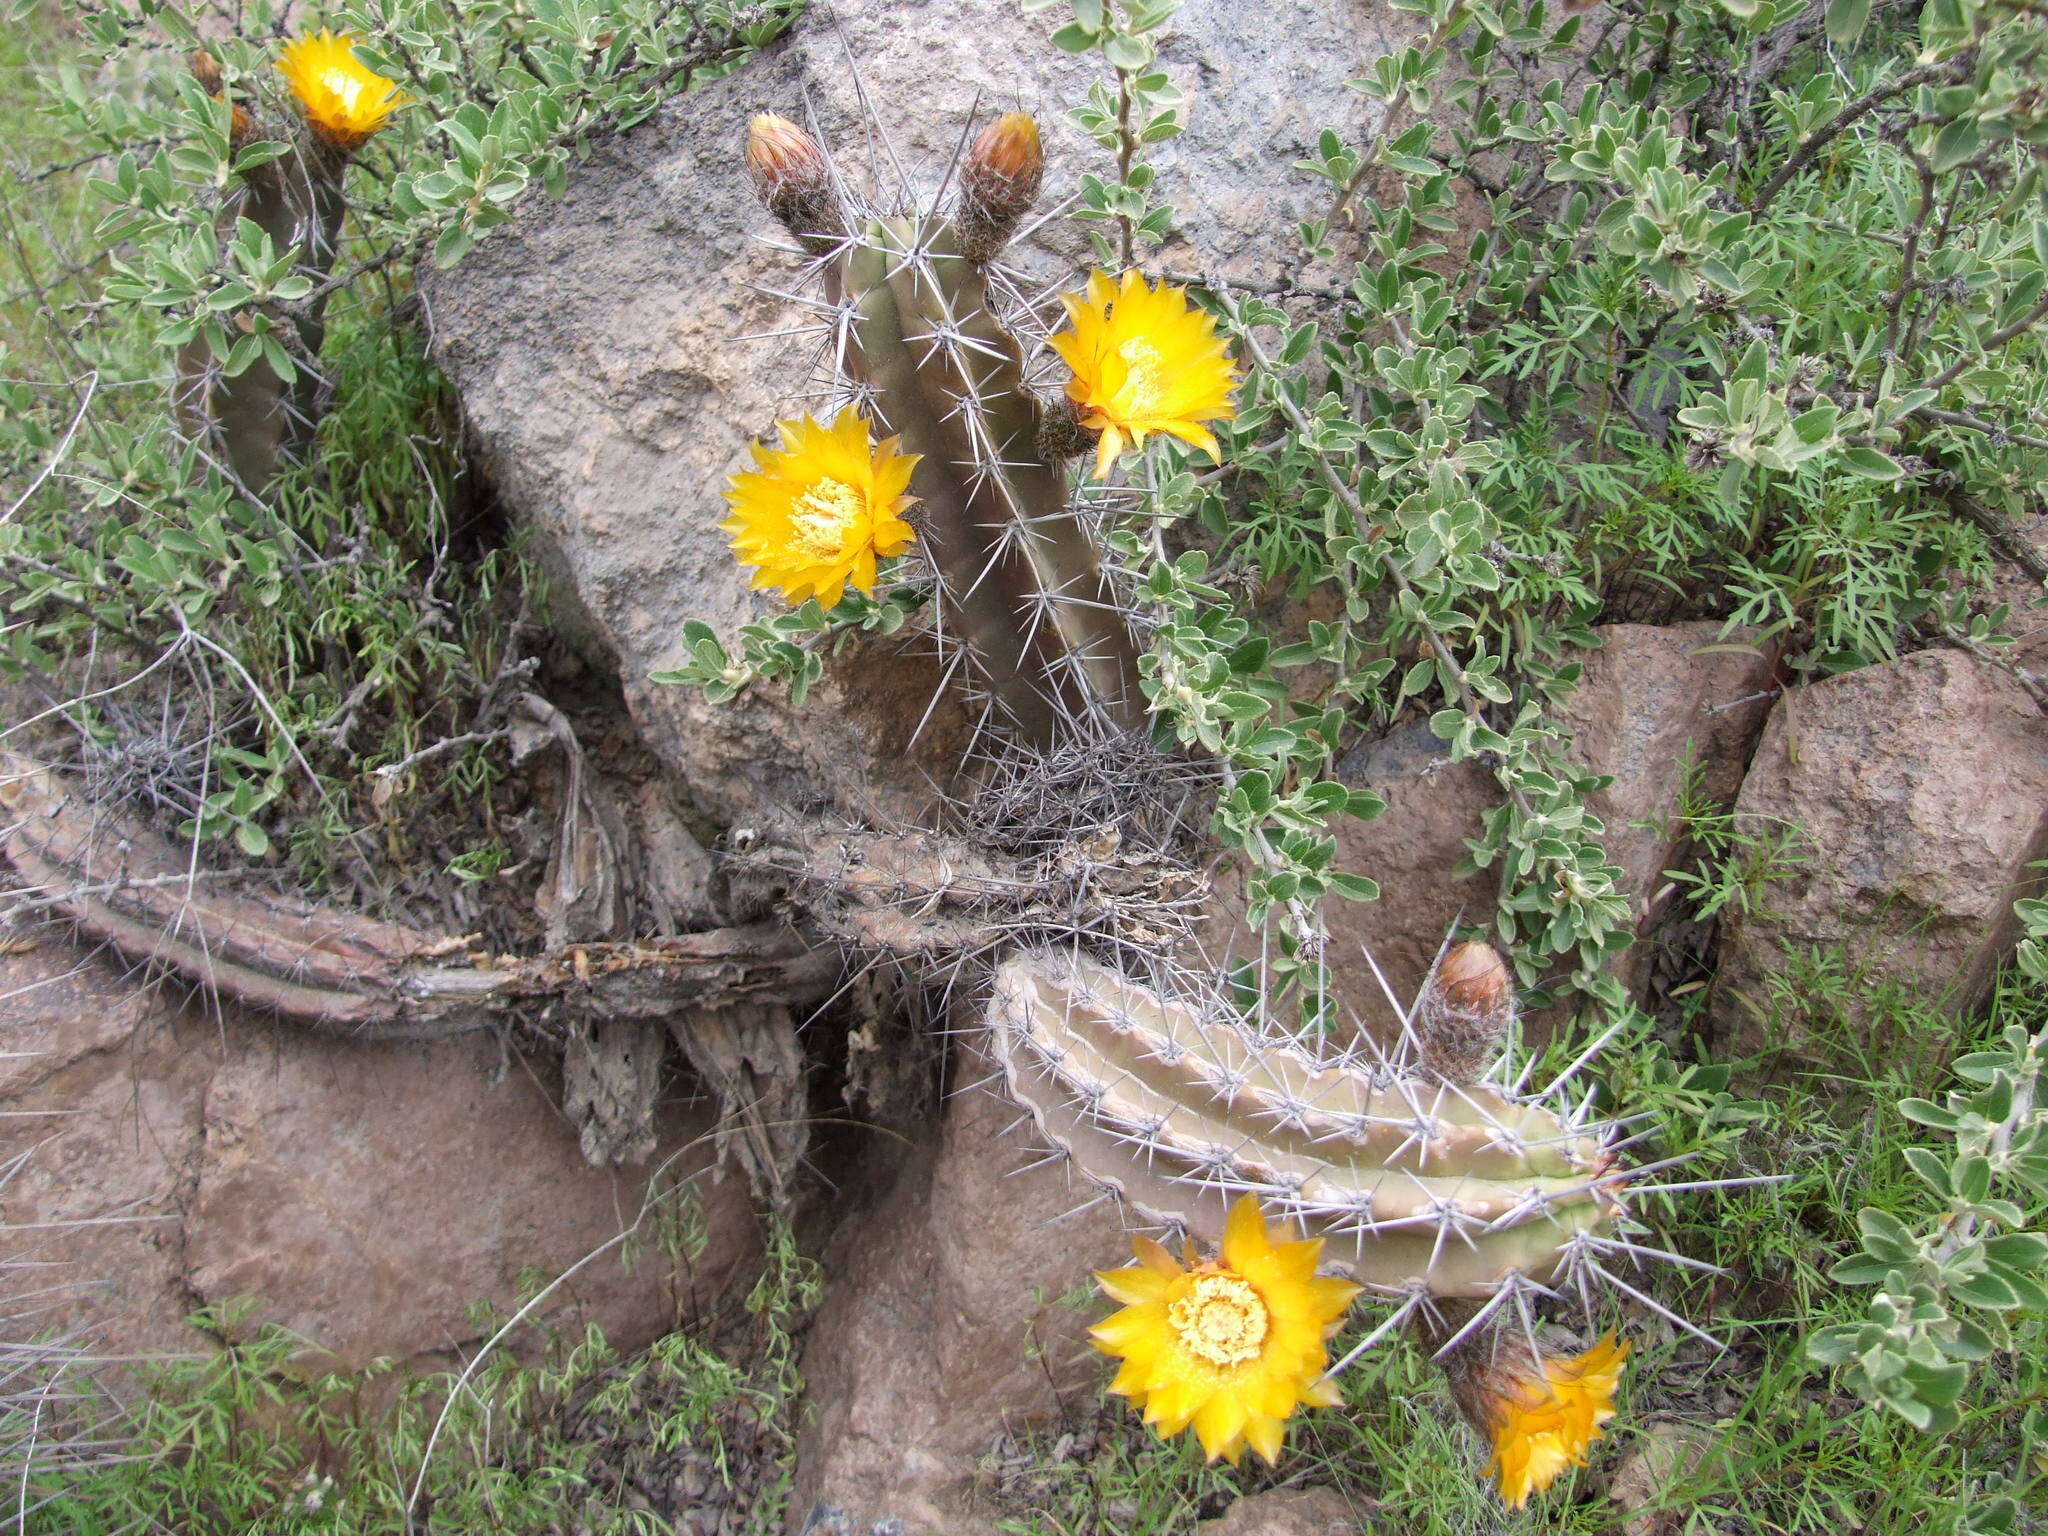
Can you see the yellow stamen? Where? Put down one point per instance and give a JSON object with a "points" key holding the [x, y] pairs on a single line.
{"points": [[1222, 1320], [347, 86], [823, 517], [1229, 1348], [344, 100], [1142, 385]]}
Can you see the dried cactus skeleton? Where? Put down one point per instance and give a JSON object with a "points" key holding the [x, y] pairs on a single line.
{"points": [[925, 896], [341, 973]]}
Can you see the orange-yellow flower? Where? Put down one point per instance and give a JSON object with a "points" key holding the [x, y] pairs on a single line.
{"points": [[1543, 1425], [999, 181], [345, 101], [1144, 360], [1009, 148], [821, 510], [1231, 1347]]}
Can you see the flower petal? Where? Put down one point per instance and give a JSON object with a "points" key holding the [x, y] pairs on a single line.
{"points": [[1244, 1235], [1218, 1422], [1137, 1284], [1266, 1434]]}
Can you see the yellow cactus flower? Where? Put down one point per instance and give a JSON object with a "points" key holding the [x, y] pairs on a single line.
{"points": [[1230, 1347], [821, 509], [1144, 360], [1543, 1425], [345, 102]]}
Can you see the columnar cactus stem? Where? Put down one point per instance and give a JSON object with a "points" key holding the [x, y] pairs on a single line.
{"points": [[1018, 567], [1021, 584], [261, 420], [256, 417]]}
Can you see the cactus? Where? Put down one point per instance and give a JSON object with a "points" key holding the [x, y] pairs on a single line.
{"points": [[1419, 1183], [1424, 1178], [915, 334], [257, 419], [1429, 1176]]}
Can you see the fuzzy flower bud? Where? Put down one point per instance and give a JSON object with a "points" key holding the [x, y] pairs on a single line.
{"points": [[1473, 977], [207, 72], [795, 180], [1060, 433], [1466, 1009], [998, 184], [205, 69]]}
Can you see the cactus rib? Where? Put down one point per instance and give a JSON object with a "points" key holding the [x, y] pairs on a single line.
{"points": [[1019, 572]]}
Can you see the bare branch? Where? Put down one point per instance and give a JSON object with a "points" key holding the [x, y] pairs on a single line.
{"points": [[1854, 113]]}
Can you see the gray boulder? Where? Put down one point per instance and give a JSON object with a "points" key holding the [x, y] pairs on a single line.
{"points": [[596, 341]]}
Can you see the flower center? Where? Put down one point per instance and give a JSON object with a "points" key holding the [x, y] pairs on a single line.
{"points": [[1221, 1319], [344, 86], [1142, 385], [824, 517]]}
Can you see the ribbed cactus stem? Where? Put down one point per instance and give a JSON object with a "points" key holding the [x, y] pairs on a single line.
{"points": [[256, 419], [1456, 1189], [1020, 577], [1021, 585]]}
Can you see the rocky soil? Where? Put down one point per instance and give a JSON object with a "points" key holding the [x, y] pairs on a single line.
{"points": [[368, 1195]]}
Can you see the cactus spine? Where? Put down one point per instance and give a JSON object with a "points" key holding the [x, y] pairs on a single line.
{"points": [[1021, 587]]}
